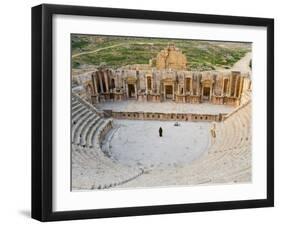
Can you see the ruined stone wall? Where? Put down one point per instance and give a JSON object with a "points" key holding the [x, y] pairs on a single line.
{"points": [[171, 58], [167, 116], [217, 87]]}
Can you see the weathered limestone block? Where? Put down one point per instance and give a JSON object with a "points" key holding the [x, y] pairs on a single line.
{"points": [[171, 58]]}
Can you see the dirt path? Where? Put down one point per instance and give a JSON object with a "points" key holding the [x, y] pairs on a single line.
{"points": [[96, 50], [243, 63], [108, 47]]}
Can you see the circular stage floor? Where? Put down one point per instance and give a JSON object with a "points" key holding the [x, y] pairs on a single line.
{"points": [[137, 143]]}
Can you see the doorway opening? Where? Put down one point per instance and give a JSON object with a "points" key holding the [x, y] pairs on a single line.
{"points": [[169, 92], [131, 90], [206, 93]]}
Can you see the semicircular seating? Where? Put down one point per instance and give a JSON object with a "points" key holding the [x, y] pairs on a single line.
{"points": [[91, 168], [229, 157]]}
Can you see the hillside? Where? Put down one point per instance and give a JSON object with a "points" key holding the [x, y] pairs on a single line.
{"points": [[91, 50]]}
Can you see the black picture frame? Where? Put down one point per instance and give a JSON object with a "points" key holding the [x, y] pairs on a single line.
{"points": [[42, 111]]}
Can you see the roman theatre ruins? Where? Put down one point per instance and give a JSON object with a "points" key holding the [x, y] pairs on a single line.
{"points": [[205, 117]]}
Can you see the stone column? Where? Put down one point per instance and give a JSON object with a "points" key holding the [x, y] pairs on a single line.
{"points": [[136, 93], [202, 90], [198, 87], [211, 91], [146, 88], [241, 86], [164, 92], [184, 85], [173, 91], [124, 86], [95, 84], [221, 87], [106, 81], [235, 86], [229, 86], [127, 91], [118, 81], [152, 84], [191, 86], [158, 88]]}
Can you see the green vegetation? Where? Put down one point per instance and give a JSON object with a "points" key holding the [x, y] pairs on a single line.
{"points": [[121, 51]]}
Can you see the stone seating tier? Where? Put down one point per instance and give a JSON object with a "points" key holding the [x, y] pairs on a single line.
{"points": [[91, 169], [229, 158]]}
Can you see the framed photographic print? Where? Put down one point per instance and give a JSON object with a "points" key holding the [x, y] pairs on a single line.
{"points": [[146, 112]]}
